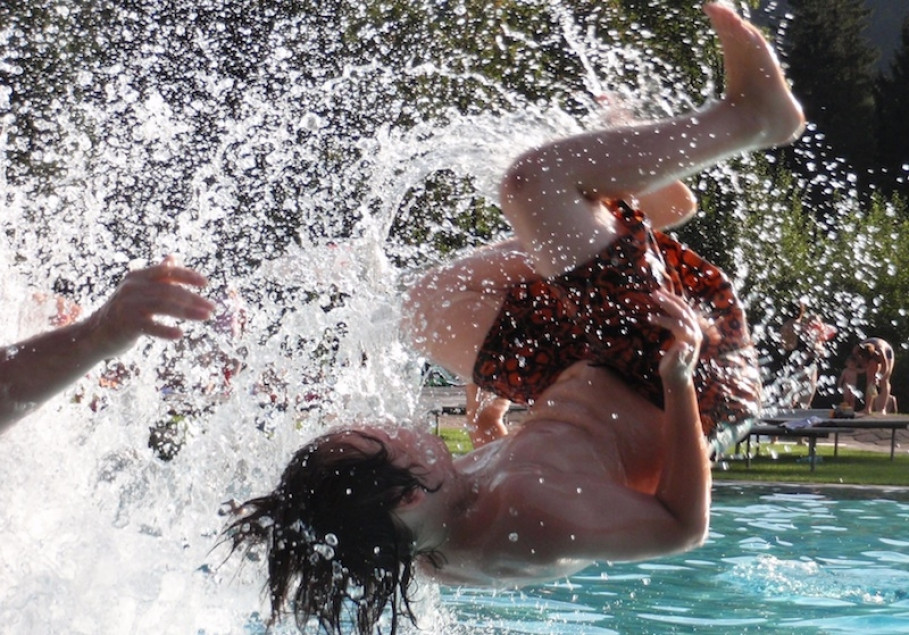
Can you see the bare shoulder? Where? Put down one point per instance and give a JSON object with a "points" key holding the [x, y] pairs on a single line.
{"points": [[509, 537]]}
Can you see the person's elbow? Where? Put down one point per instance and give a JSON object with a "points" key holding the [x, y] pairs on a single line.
{"points": [[671, 536], [691, 531], [686, 529], [695, 532]]}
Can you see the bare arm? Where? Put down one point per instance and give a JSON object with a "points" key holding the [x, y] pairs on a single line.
{"points": [[684, 487], [485, 416], [34, 370]]}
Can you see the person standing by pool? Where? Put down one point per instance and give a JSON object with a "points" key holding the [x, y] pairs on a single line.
{"points": [[804, 338], [873, 358], [848, 386], [597, 321], [34, 370]]}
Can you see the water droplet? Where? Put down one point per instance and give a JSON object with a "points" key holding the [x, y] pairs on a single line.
{"points": [[513, 537], [325, 551]]}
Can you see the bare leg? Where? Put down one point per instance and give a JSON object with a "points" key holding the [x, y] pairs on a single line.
{"points": [[448, 312], [550, 194], [668, 206], [485, 416], [886, 371], [882, 401], [807, 387], [849, 387]]}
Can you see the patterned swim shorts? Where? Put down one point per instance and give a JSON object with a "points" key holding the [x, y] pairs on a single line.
{"points": [[598, 312]]}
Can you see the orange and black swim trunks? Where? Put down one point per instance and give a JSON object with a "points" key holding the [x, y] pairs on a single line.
{"points": [[598, 313]]}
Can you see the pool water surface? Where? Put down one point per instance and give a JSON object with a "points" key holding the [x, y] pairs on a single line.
{"points": [[777, 560]]}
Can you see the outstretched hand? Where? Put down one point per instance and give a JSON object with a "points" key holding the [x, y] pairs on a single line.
{"points": [[143, 296], [677, 317]]}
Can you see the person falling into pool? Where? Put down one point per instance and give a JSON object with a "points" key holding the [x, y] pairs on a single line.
{"points": [[628, 347], [34, 370]]}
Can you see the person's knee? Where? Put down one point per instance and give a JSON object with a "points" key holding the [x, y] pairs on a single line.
{"points": [[525, 177]]}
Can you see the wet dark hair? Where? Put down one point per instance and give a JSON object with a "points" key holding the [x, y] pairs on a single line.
{"points": [[334, 549]]}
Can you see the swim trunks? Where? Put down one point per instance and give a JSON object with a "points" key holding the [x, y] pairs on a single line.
{"points": [[598, 313]]}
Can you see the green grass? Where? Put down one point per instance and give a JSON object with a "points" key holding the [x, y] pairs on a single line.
{"points": [[784, 463], [788, 463], [457, 440]]}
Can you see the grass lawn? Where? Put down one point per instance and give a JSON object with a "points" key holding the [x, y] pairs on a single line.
{"points": [[788, 463], [457, 440], [784, 463]]}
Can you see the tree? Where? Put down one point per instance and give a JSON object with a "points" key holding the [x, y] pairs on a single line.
{"points": [[893, 124], [830, 66]]}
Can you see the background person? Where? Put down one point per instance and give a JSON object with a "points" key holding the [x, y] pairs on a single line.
{"points": [[874, 359], [804, 337], [848, 385]]}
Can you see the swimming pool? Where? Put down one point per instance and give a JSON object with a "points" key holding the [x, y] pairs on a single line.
{"points": [[778, 559]]}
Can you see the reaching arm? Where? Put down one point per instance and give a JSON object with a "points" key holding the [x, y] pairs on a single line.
{"points": [[34, 370]]}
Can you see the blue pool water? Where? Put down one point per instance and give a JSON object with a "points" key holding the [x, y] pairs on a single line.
{"points": [[778, 560]]}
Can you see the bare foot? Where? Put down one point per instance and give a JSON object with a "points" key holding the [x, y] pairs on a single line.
{"points": [[755, 82]]}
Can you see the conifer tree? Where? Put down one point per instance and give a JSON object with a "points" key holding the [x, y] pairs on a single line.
{"points": [[830, 65], [893, 122]]}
